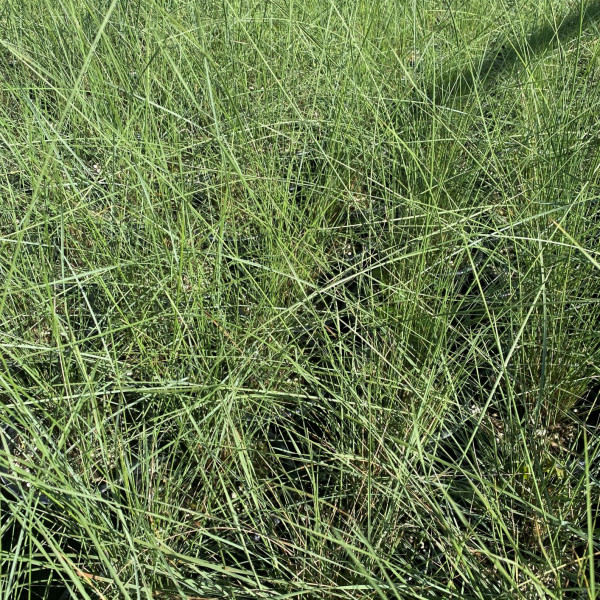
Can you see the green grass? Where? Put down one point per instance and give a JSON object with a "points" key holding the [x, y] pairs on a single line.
{"points": [[299, 299]]}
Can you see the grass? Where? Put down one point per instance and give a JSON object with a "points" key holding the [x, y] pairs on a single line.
{"points": [[299, 299]]}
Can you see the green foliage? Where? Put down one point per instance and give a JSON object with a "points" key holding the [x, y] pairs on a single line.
{"points": [[299, 299]]}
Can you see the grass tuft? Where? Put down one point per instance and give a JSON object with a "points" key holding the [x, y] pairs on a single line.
{"points": [[299, 299]]}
